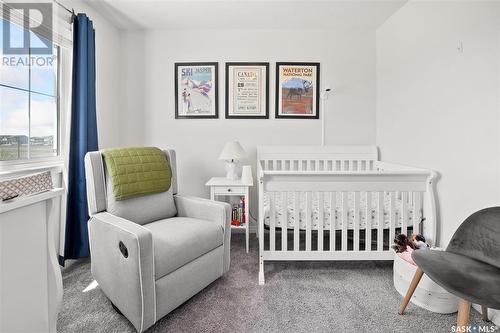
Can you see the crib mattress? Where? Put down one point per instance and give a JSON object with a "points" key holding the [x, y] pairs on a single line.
{"points": [[364, 222]]}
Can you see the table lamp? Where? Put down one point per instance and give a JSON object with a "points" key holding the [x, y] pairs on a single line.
{"points": [[231, 153]]}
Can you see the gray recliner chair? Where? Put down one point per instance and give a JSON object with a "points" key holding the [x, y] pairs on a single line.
{"points": [[151, 253]]}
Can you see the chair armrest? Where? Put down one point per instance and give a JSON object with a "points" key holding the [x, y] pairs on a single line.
{"points": [[215, 211], [204, 209], [125, 275]]}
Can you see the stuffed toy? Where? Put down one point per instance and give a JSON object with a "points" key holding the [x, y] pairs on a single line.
{"points": [[404, 247], [402, 243], [419, 241]]}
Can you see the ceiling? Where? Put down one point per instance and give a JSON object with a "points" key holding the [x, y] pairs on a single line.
{"points": [[241, 14]]}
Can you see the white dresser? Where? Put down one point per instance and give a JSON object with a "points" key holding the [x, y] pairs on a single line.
{"points": [[30, 277]]}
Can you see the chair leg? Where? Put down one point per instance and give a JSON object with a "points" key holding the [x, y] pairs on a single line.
{"points": [[463, 313], [484, 313], [411, 290]]}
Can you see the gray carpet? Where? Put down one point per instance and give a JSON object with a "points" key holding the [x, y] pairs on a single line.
{"points": [[297, 297]]}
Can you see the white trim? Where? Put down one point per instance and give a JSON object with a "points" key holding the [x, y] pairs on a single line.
{"points": [[14, 166], [55, 168], [28, 200]]}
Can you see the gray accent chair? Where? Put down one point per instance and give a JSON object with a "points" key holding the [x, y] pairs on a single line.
{"points": [[150, 254], [470, 266]]}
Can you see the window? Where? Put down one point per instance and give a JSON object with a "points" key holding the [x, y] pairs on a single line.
{"points": [[29, 101]]}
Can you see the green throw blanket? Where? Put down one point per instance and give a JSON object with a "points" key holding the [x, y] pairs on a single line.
{"points": [[137, 171]]}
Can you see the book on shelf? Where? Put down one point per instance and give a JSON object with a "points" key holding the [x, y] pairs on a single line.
{"points": [[238, 217]]}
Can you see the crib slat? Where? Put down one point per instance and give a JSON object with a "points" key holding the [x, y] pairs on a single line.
{"points": [[309, 165], [392, 221], [296, 225], [404, 212], [356, 221], [344, 220], [321, 219], [316, 165], [272, 217], [284, 221], [333, 208], [416, 212], [380, 220], [308, 221], [368, 222]]}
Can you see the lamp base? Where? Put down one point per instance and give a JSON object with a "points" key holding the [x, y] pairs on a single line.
{"points": [[231, 173]]}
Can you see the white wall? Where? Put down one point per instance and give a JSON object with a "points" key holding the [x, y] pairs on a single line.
{"points": [[131, 120], [347, 64], [438, 108]]}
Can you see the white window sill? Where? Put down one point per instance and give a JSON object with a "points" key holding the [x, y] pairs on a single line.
{"points": [[14, 168]]}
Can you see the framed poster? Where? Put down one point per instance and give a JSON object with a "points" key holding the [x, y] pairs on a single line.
{"points": [[196, 92], [247, 90], [297, 90]]}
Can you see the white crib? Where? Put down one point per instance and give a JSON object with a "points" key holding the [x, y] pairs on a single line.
{"points": [[338, 203]]}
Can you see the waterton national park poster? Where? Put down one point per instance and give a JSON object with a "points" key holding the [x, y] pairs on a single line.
{"points": [[196, 94], [297, 90]]}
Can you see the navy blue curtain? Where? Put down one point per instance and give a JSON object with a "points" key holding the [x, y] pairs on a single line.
{"points": [[83, 137]]}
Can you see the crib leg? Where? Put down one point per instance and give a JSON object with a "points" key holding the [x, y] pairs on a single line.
{"points": [[261, 271], [411, 290]]}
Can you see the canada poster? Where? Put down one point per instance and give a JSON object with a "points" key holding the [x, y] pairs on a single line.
{"points": [[297, 90], [196, 90]]}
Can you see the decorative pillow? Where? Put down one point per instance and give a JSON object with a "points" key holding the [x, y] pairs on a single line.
{"points": [[137, 171], [141, 209]]}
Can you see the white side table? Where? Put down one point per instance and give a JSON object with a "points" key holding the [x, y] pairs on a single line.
{"points": [[221, 186]]}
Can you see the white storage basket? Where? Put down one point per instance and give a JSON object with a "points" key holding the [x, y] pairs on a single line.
{"points": [[428, 294]]}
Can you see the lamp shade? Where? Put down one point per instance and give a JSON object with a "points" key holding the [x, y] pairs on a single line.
{"points": [[232, 151]]}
